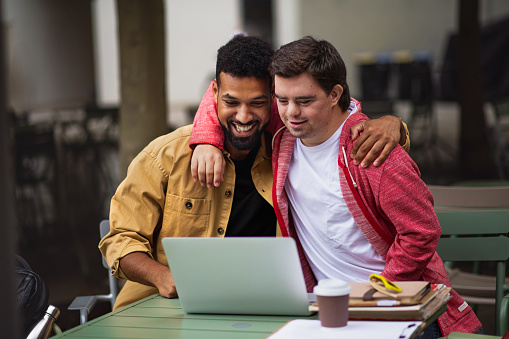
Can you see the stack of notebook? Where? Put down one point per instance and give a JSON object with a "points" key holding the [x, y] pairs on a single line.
{"points": [[418, 300]]}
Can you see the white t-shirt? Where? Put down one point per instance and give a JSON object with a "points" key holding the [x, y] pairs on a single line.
{"points": [[333, 243]]}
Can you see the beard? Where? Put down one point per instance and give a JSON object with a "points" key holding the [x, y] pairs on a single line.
{"points": [[244, 143]]}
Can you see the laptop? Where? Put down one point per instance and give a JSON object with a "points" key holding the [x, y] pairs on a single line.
{"points": [[238, 275]]}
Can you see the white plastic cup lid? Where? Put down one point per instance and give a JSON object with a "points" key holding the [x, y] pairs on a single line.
{"points": [[331, 288]]}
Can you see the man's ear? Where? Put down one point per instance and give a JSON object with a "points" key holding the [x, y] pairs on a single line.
{"points": [[335, 94], [215, 89], [272, 93]]}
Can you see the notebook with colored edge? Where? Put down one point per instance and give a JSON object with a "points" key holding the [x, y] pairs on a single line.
{"points": [[412, 292], [238, 275], [434, 301]]}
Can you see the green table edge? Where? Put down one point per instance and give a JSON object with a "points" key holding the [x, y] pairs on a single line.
{"points": [[109, 314]]}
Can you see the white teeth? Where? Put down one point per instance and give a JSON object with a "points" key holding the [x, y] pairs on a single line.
{"points": [[243, 128]]}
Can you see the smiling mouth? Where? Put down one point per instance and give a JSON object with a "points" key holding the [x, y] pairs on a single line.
{"points": [[243, 128], [296, 123]]}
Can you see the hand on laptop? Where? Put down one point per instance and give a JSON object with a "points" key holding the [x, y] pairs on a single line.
{"points": [[167, 287], [139, 267]]}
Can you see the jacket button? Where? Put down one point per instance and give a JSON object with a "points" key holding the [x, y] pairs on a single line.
{"points": [[220, 230], [189, 205], [228, 194]]}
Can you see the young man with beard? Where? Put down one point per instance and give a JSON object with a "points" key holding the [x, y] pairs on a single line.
{"points": [[159, 198]]}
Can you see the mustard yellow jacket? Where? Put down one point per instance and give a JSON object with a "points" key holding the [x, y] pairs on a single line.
{"points": [[159, 198]]}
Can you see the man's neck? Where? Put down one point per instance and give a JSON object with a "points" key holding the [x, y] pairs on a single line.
{"points": [[234, 153], [341, 117]]}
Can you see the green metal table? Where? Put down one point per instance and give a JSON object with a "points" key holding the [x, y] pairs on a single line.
{"points": [[158, 317]]}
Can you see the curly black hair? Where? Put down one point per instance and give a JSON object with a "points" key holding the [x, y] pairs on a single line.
{"points": [[244, 56]]}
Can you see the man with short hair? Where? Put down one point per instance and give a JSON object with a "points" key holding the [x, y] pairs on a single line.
{"points": [[371, 220], [158, 198]]}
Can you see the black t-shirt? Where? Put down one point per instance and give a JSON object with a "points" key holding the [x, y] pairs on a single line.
{"points": [[251, 214]]}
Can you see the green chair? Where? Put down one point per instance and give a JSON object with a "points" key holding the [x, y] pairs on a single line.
{"points": [[477, 236], [504, 314], [470, 197], [84, 304], [461, 198]]}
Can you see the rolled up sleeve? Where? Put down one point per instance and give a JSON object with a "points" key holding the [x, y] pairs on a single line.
{"points": [[136, 212]]}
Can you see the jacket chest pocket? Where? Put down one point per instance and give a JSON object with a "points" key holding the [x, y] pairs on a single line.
{"points": [[185, 217]]}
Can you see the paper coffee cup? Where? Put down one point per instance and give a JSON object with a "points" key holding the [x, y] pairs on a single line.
{"points": [[332, 296]]}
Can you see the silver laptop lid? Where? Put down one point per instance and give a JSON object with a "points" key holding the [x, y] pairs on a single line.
{"points": [[238, 275]]}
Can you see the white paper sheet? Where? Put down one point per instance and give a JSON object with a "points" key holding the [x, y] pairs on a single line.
{"points": [[305, 328]]}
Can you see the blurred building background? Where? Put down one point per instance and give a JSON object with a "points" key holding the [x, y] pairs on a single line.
{"points": [[63, 99]]}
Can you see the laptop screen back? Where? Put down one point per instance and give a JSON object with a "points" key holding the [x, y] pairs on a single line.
{"points": [[238, 275]]}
